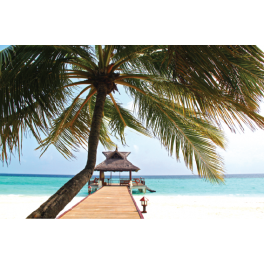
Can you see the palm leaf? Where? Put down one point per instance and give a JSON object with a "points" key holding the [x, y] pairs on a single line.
{"points": [[195, 137], [68, 136], [120, 118], [6, 57]]}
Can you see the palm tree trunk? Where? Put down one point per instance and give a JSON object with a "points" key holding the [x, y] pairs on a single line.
{"points": [[67, 192]]}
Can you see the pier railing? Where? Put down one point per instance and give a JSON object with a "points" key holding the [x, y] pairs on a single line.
{"points": [[121, 181]]}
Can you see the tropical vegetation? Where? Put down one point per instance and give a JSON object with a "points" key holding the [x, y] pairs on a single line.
{"points": [[182, 95]]}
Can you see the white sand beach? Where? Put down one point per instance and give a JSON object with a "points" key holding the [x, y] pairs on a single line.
{"points": [[160, 207], [203, 207], [20, 206]]}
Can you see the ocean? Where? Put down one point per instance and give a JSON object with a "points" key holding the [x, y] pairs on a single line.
{"points": [[235, 185]]}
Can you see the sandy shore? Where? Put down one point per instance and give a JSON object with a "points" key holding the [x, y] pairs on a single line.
{"points": [[198, 207], [160, 207], [19, 206]]}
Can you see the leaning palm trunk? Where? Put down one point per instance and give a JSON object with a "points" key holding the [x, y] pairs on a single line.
{"points": [[67, 192]]}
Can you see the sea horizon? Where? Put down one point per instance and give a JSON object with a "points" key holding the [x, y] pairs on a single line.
{"points": [[180, 176], [164, 185]]}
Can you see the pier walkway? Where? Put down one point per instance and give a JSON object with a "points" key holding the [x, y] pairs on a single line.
{"points": [[109, 202]]}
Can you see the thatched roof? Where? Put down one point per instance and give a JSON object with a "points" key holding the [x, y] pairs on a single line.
{"points": [[116, 161]]}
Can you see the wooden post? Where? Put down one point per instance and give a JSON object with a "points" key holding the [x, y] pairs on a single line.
{"points": [[130, 175], [102, 177]]}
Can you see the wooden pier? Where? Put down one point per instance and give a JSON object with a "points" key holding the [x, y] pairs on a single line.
{"points": [[109, 202], [134, 186]]}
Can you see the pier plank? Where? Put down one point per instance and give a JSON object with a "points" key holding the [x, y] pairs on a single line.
{"points": [[109, 202]]}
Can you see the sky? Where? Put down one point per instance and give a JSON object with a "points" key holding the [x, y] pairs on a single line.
{"points": [[244, 154]]}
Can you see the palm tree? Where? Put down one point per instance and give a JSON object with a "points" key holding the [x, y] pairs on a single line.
{"points": [[182, 95]]}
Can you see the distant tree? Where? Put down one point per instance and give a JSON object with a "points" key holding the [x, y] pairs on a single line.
{"points": [[181, 95]]}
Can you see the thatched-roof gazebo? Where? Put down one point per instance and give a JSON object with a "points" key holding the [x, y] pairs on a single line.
{"points": [[116, 161]]}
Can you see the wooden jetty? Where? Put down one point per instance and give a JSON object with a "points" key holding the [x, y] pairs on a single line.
{"points": [[134, 184], [111, 199], [109, 202], [116, 161]]}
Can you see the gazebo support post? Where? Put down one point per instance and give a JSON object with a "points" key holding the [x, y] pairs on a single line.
{"points": [[102, 177], [130, 175]]}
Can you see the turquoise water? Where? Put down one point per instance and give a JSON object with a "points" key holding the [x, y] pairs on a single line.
{"points": [[45, 185]]}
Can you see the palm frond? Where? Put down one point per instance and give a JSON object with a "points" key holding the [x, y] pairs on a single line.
{"points": [[70, 130], [33, 84], [120, 118], [195, 137], [126, 54], [32, 119], [6, 57], [67, 135]]}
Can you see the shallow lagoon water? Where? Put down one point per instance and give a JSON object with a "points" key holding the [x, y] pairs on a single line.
{"points": [[235, 185]]}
